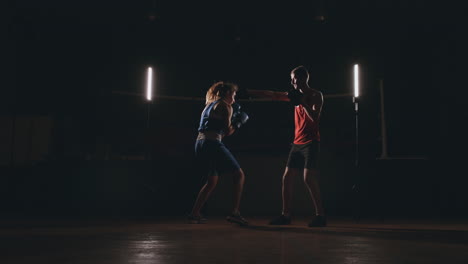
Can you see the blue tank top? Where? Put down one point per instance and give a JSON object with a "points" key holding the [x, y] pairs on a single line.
{"points": [[208, 123]]}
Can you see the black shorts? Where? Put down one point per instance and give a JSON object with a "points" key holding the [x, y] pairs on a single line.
{"points": [[304, 156], [213, 157]]}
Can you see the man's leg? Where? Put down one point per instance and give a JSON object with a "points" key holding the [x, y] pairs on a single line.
{"points": [[287, 193], [287, 189], [312, 183]]}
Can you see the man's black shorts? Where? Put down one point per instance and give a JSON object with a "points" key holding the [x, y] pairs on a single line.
{"points": [[304, 156]]}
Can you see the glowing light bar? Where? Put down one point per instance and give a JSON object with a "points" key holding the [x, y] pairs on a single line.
{"points": [[356, 80], [149, 84]]}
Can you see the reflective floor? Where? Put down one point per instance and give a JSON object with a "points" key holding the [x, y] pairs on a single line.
{"points": [[173, 241]]}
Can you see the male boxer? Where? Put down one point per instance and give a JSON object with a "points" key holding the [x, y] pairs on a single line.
{"points": [[304, 154]]}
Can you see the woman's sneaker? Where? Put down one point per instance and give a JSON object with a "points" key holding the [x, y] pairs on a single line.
{"points": [[196, 219], [237, 219], [281, 220]]}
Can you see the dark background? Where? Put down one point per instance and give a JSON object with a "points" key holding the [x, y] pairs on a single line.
{"points": [[73, 146]]}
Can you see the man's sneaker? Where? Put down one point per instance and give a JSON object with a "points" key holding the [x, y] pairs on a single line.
{"points": [[318, 221], [237, 219], [196, 219], [281, 220]]}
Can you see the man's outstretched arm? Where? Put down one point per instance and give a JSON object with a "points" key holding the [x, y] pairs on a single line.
{"points": [[266, 94]]}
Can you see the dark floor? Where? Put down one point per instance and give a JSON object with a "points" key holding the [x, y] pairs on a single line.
{"points": [[173, 241]]}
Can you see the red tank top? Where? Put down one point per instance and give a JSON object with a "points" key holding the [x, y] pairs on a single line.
{"points": [[306, 130]]}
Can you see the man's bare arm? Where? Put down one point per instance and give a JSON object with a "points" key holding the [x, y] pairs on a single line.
{"points": [[313, 108], [266, 94]]}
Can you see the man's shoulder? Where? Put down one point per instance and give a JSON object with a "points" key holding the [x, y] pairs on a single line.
{"points": [[314, 94]]}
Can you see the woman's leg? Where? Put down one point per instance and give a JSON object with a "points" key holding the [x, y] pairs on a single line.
{"points": [[204, 194], [238, 178]]}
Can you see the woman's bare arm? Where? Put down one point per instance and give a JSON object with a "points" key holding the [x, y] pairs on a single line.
{"points": [[224, 112]]}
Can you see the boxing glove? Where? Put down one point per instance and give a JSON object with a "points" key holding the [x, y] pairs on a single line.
{"points": [[240, 119], [235, 110]]}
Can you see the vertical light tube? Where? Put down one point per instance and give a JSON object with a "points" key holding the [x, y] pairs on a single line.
{"points": [[356, 80], [149, 84], [356, 109]]}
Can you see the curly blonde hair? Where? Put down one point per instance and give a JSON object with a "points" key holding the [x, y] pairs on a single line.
{"points": [[218, 90]]}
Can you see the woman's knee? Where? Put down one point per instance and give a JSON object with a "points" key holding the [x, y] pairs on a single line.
{"points": [[211, 182], [238, 176]]}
